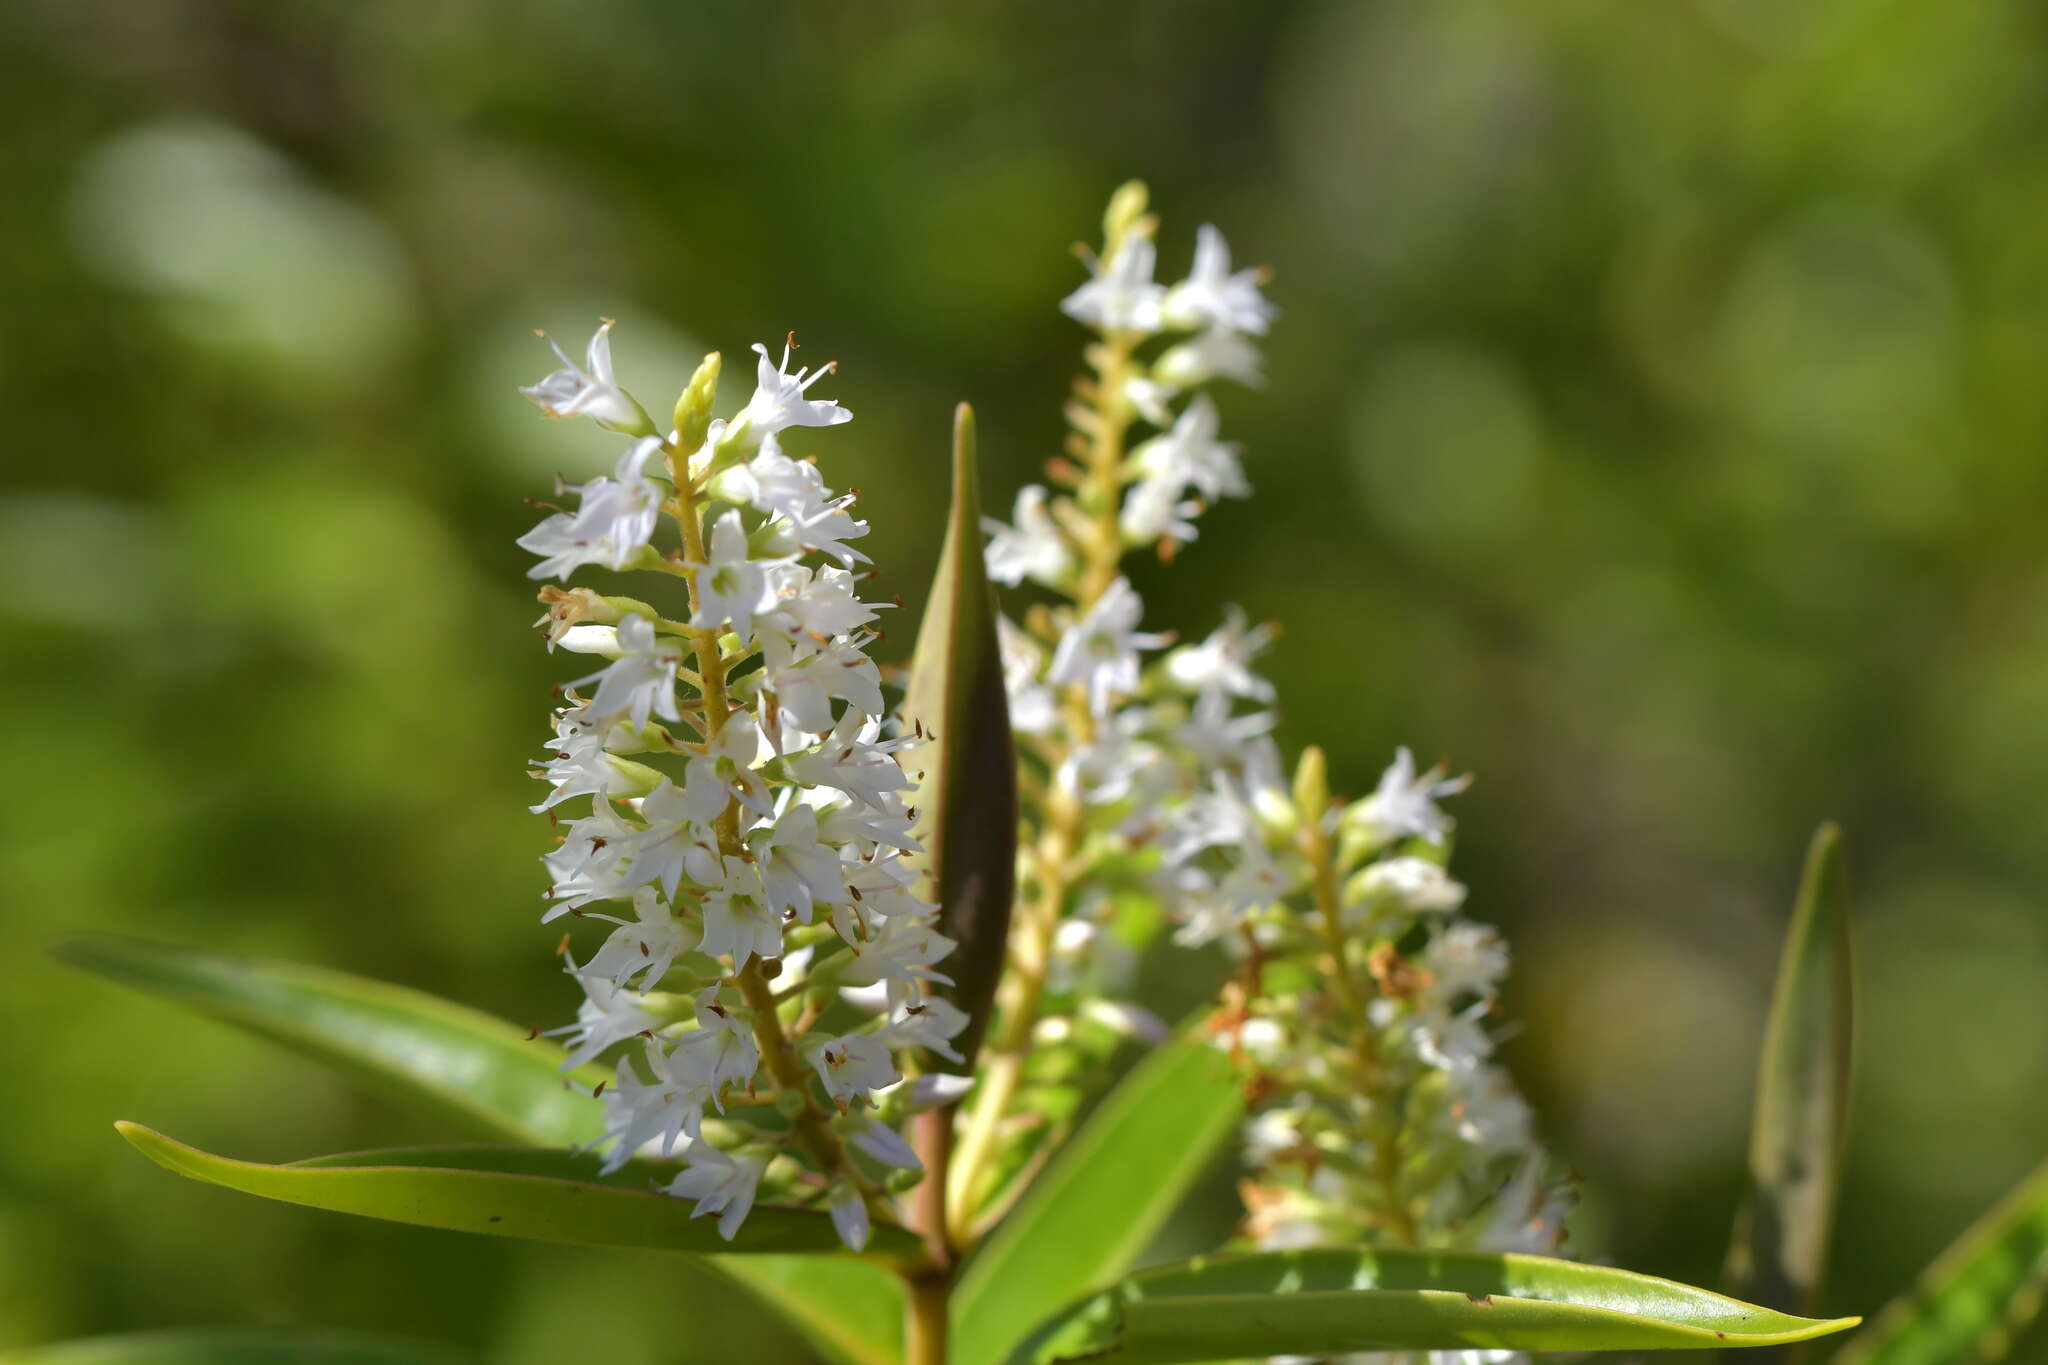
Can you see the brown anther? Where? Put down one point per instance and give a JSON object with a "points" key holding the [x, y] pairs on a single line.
{"points": [[790, 341], [533, 1033], [1399, 978], [562, 948], [599, 1091]]}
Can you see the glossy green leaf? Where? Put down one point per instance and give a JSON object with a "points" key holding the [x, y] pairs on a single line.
{"points": [[1976, 1296], [478, 1071], [849, 1311], [1311, 1302], [507, 1202], [1802, 1095], [967, 788], [1101, 1200], [233, 1346]]}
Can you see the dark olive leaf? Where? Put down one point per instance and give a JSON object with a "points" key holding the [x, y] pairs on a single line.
{"points": [[967, 793], [480, 1072], [1802, 1095], [509, 1203], [1316, 1302], [1975, 1298]]}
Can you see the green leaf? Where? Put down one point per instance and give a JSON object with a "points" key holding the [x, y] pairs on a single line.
{"points": [[848, 1311], [478, 1071], [233, 1346], [1802, 1095], [1309, 1302], [967, 790], [1103, 1197], [1976, 1296], [513, 1202]]}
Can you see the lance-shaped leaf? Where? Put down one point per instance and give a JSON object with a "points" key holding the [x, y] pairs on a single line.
{"points": [[1802, 1095], [967, 792], [503, 1196], [481, 1072], [1976, 1297], [1315, 1302], [1103, 1198], [234, 1346]]}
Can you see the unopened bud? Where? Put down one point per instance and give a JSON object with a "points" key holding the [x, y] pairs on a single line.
{"points": [[1126, 209], [790, 1103], [1312, 785], [693, 409]]}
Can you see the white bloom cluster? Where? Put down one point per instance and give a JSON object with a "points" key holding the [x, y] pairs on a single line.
{"points": [[746, 819], [1365, 1007], [1123, 726]]}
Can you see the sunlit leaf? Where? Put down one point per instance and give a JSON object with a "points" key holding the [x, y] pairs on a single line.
{"points": [[1094, 1209], [1312, 1302], [967, 795], [849, 1311], [1976, 1296], [478, 1071], [1802, 1096], [507, 1203], [233, 1346]]}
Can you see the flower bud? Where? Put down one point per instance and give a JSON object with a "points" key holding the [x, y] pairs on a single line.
{"points": [[693, 408], [1126, 209], [1312, 785]]}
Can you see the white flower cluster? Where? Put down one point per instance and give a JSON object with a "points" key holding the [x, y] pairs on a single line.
{"points": [[746, 819], [1119, 738], [1365, 1006]]}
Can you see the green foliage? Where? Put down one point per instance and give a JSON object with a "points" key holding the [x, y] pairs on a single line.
{"points": [[1802, 1095], [967, 795], [233, 1347], [850, 1312], [480, 1072], [1092, 1211], [1309, 1302], [1976, 1297], [498, 1202]]}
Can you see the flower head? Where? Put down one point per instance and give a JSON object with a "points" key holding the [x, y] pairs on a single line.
{"points": [[589, 391]]}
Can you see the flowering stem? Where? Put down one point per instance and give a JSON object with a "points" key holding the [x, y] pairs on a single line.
{"points": [[1369, 1066], [784, 1066]]}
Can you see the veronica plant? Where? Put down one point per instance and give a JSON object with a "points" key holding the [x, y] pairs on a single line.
{"points": [[850, 964]]}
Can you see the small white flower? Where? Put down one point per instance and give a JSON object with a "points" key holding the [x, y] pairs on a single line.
{"points": [[1213, 296], [590, 391], [593, 862], [1222, 663], [1486, 1112], [931, 1023], [1189, 455], [609, 1014], [578, 765], [936, 1089], [724, 771], [902, 956], [803, 602], [849, 1216], [722, 1047], [1154, 510], [797, 871], [641, 680], [658, 1113], [1100, 651], [1452, 1042], [1466, 959], [1120, 296], [779, 400], [1415, 885], [679, 842], [720, 1184], [806, 677], [1032, 548], [1214, 354], [732, 586], [1404, 804], [613, 522], [644, 947], [737, 920], [852, 1067]]}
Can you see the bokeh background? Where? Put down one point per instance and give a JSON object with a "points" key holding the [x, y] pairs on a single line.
{"points": [[1655, 427]]}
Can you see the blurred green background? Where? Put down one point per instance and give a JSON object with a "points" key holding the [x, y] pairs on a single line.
{"points": [[1655, 428]]}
